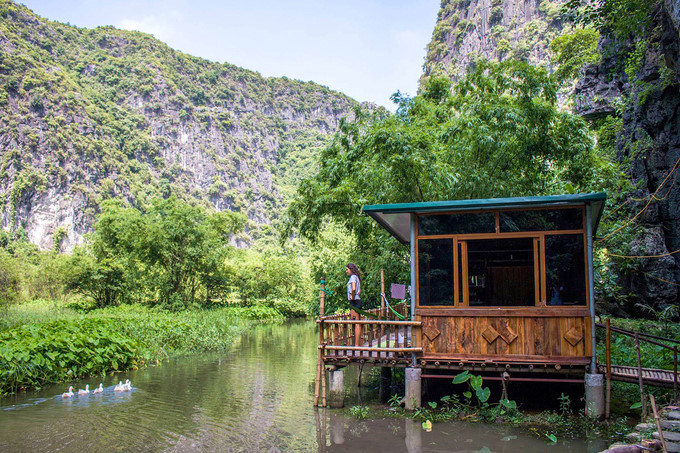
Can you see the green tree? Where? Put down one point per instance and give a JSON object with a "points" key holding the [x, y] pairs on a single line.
{"points": [[170, 254], [573, 50], [9, 280], [497, 133], [625, 19]]}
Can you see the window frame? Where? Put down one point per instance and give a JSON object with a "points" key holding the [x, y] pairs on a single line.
{"points": [[461, 275]]}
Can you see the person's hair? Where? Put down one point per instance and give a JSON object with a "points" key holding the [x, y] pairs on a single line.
{"points": [[354, 270]]}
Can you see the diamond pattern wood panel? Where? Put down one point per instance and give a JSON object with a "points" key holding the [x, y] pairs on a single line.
{"points": [[573, 336], [431, 332], [490, 334], [508, 335]]}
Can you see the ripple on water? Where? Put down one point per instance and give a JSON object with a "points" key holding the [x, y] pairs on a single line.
{"points": [[257, 398]]}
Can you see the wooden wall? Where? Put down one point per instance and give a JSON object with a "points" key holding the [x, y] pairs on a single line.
{"points": [[538, 334]]}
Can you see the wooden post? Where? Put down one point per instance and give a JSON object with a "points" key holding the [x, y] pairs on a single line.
{"points": [[322, 295], [320, 373], [658, 424], [675, 373], [639, 368], [382, 291], [608, 395], [322, 308]]}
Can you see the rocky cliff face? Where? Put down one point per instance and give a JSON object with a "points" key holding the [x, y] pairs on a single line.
{"points": [[468, 30], [650, 140], [499, 29], [87, 115]]}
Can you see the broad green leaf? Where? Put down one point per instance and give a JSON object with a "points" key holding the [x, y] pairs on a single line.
{"points": [[462, 377], [483, 394]]}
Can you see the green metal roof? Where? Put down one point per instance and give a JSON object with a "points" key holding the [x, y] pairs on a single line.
{"points": [[396, 218]]}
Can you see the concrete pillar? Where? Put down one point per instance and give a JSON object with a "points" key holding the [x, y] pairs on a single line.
{"points": [[413, 394], [336, 389], [595, 395]]}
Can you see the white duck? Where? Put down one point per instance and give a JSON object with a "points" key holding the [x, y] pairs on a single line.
{"points": [[127, 386], [120, 387], [98, 389], [68, 394], [86, 391]]}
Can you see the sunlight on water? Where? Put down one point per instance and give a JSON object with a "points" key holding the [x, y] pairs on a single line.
{"points": [[256, 398]]}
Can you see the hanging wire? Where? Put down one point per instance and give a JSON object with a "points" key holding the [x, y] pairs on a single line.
{"points": [[662, 255], [651, 199], [659, 278]]}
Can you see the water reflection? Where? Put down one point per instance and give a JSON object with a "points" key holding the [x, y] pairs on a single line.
{"points": [[339, 433], [256, 398]]}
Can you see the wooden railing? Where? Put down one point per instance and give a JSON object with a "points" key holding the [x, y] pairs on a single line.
{"points": [[639, 375], [386, 337]]}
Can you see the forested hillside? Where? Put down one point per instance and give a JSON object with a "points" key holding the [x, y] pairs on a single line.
{"points": [[87, 115]]}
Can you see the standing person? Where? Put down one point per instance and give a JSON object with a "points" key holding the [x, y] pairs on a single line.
{"points": [[354, 297]]}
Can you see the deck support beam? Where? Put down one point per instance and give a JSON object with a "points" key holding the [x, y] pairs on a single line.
{"points": [[336, 388], [413, 394]]}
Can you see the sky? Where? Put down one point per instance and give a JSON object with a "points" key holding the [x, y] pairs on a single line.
{"points": [[367, 49]]}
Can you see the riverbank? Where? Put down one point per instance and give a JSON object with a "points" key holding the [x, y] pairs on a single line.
{"points": [[46, 342]]}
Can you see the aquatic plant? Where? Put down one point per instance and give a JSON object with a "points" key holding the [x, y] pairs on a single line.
{"points": [[52, 350]]}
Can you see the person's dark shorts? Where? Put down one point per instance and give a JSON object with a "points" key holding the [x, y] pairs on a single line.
{"points": [[355, 303]]}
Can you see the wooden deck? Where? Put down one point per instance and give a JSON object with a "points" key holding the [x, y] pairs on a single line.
{"points": [[388, 340], [385, 339], [650, 376]]}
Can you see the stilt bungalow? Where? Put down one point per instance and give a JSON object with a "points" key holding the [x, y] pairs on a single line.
{"points": [[497, 285]]}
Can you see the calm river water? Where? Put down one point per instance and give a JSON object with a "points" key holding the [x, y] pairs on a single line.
{"points": [[257, 398]]}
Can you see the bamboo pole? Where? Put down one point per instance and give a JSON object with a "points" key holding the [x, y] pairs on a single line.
{"points": [[383, 308], [658, 424], [373, 321], [608, 396], [370, 349], [323, 385], [322, 308], [382, 288], [639, 368], [319, 358]]}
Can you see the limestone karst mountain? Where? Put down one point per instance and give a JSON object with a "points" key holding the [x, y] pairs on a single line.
{"points": [[468, 30], [90, 114]]}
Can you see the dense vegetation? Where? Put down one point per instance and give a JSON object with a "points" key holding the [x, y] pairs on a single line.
{"points": [[44, 342], [498, 132], [147, 284], [104, 115]]}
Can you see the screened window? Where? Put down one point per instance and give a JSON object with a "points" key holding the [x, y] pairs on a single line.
{"points": [[501, 272], [429, 225], [541, 220], [565, 270], [435, 272]]}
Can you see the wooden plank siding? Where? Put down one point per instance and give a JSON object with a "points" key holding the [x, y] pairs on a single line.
{"points": [[545, 338]]}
